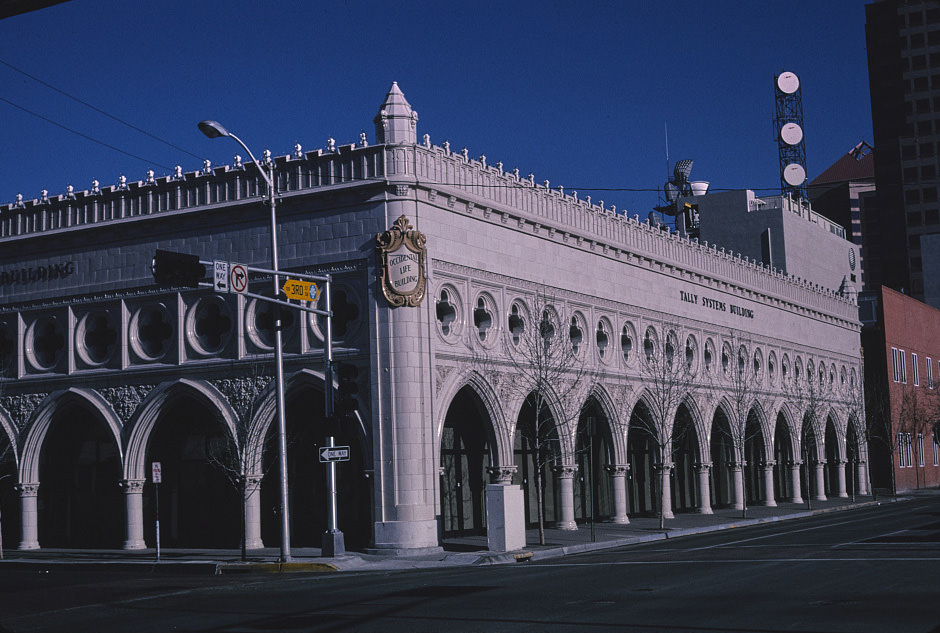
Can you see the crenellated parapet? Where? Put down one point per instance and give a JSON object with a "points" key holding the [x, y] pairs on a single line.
{"points": [[452, 180]]}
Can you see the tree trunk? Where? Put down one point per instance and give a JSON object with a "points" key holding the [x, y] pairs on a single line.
{"points": [[539, 503]]}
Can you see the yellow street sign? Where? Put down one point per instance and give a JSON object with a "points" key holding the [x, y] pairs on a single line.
{"points": [[301, 290]]}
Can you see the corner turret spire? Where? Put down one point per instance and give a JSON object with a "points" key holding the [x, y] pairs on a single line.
{"points": [[396, 122]]}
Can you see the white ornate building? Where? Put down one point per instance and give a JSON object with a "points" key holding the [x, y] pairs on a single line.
{"points": [[104, 373]]}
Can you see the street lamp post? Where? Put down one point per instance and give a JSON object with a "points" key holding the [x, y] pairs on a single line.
{"points": [[212, 129]]}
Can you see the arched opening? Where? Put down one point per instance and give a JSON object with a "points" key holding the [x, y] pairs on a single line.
{"points": [[852, 458], [684, 457], [783, 455], [753, 459], [641, 456], [9, 500], [308, 498], [723, 459], [593, 497], [465, 456], [831, 472], [536, 450], [81, 503], [808, 472], [199, 505]]}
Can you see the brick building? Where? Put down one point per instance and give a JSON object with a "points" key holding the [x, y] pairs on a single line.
{"points": [[902, 378]]}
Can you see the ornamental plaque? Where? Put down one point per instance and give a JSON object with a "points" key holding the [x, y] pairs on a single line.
{"points": [[402, 250]]}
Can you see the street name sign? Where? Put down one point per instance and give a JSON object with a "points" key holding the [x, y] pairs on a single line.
{"points": [[334, 454], [301, 290]]}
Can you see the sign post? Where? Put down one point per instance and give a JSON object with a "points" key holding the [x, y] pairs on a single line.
{"points": [[157, 476]]}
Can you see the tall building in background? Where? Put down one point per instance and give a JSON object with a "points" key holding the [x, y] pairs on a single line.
{"points": [[903, 39]]}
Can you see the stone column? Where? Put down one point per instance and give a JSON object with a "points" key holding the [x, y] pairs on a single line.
{"points": [[564, 476], [252, 494], [29, 515], [134, 513], [401, 378], [501, 475], [820, 482], [737, 478], [662, 472], [769, 500], [618, 477], [862, 469], [840, 477], [795, 482], [702, 470]]}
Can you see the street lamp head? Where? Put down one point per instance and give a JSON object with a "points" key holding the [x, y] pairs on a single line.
{"points": [[213, 129]]}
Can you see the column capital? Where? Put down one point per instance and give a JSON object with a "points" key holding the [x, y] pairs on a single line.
{"points": [[769, 463], [617, 470], [702, 466], [501, 474], [27, 489], [565, 471], [132, 486]]}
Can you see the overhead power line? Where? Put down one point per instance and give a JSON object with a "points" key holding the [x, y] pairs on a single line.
{"points": [[84, 136], [96, 109]]}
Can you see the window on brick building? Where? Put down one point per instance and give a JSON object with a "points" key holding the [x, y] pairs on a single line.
{"points": [[929, 365], [915, 371], [920, 450], [936, 449], [895, 372], [903, 365]]}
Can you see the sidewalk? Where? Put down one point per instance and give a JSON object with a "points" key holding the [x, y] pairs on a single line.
{"points": [[456, 552]]}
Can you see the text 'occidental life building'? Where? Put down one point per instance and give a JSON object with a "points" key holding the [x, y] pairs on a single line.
{"points": [[497, 325]]}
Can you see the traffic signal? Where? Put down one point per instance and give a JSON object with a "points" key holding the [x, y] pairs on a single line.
{"points": [[347, 388], [177, 269]]}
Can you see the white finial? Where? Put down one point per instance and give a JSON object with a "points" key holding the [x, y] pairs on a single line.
{"points": [[363, 139], [150, 178], [45, 197], [298, 151], [177, 173], [330, 145], [426, 140], [499, 165], [483, 160], [206, 167], [122, 182], [237, 162], [70, 192], [95, 186], [532, 178], [447, 146], [545, 184], [19, 201], [515, 172], [466, 154], [266, 157]]}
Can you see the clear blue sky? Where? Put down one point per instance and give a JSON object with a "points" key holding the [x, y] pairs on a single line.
{"points": [[578, 93]]}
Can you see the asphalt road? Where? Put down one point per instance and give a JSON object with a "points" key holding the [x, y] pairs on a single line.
{"points": [[867, 570]]}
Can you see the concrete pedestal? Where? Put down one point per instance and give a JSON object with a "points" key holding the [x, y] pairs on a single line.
{"points": [[505, 523]]}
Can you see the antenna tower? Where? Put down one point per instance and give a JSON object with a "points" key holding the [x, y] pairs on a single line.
{"points": [[788, 129]]}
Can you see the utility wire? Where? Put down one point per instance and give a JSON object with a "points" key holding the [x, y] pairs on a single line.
{"points": [[96, 109], [84, 136]]}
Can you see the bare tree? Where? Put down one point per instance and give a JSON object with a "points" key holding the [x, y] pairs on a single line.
{"points": [[918, 412], [549, 372], [669, 378], [741, 383], [237, 456], [804, 390]]}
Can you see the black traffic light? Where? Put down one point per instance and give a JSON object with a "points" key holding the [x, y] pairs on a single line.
{"points": [[346, 404], [177, 269]]}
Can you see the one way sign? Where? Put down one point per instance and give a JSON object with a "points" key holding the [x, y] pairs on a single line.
{"points": [[334, 454], [221, 276]]}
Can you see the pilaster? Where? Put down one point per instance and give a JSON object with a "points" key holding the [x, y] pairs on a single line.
{"points": [[29, 493], [134, 513]]}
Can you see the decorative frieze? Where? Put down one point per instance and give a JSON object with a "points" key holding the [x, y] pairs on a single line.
{"points": [[124, 399], [21, 407], [242, 392]]}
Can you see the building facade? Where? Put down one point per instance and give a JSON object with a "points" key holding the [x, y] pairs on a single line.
{"points": [[903, 42], [902, 367], [443, 266]]}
